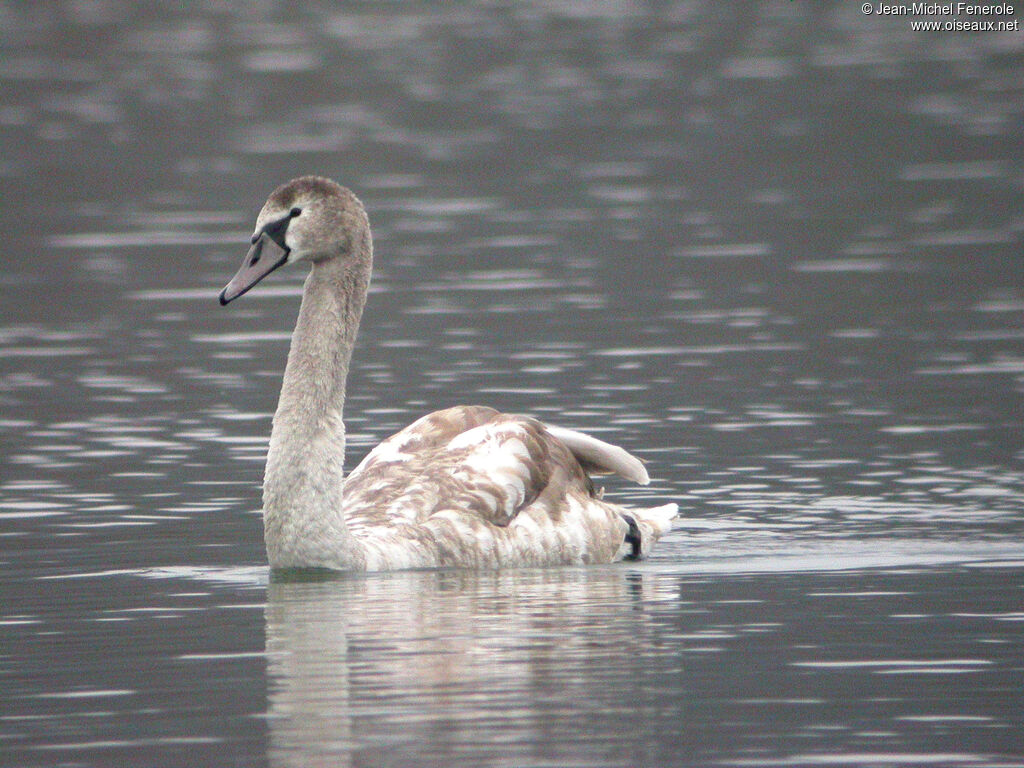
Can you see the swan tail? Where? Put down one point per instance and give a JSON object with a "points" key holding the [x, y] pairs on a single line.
{"points": [[599, 457], [646, 526]]}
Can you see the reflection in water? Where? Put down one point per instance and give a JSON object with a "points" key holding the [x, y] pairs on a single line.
{"points": [[616, 666], [418, 666]]}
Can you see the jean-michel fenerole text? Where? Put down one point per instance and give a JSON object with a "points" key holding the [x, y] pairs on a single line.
{"points": [[943, 9]]}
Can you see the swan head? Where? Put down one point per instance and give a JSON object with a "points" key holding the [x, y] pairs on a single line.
{"points": [[308, 219]]}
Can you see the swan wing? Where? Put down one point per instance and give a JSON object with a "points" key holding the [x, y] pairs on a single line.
{"points": [[473, 487], [470, 459], [598, 457]]}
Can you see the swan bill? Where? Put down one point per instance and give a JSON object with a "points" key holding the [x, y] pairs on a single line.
{"points": [[265, 255]]}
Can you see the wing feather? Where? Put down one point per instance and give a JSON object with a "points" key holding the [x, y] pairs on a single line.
{"points": [[600, 457], [478, 464]]}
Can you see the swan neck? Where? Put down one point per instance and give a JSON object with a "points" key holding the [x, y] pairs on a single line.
{"points": [[302, 490]]}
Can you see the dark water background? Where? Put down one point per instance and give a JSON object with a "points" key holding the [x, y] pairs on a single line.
{"points": [[772, 247]]}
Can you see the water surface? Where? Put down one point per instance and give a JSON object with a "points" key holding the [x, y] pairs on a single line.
{"points": [[772, 248]]}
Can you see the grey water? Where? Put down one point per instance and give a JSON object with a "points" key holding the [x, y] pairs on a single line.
{"points": [[773, 248]]}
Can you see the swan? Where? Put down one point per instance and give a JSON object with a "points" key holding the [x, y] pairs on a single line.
{"points": [[464, 487]]}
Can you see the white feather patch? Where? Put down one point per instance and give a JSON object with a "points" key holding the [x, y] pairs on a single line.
{"points": [[498, 455], [389, 451]]}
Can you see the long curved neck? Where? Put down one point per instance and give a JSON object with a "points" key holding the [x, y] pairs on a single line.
{"points": [[302, 487]]}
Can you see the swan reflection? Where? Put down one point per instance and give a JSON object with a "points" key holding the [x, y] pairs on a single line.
{"points": [[428, 667]]}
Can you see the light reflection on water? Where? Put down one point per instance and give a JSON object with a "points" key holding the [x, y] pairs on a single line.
{"points": [[772, 249]]}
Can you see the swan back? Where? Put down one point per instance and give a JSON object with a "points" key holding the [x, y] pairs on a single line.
{"points": [[470, 486]]}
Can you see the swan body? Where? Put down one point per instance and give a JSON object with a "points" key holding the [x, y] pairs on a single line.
{"points": [[467, 486]]}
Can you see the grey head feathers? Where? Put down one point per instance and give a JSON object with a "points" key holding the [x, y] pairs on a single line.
{"points": [[325, 219]]}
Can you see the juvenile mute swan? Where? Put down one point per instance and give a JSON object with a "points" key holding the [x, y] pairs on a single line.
{"points": [[467, 486]]}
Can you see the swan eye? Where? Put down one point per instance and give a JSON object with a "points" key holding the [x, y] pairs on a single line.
{"points": [[295, 212]]}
